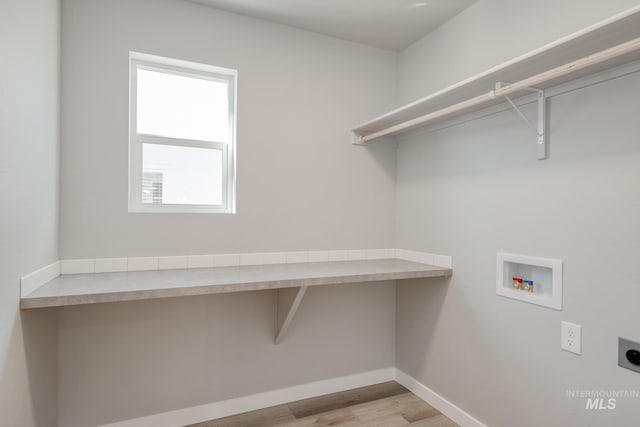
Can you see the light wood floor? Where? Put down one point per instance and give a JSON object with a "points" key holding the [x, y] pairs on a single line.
{"points": [[381, 405]]}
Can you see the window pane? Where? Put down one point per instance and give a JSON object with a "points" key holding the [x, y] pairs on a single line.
{"points": [[181, 175], [182, 107]]}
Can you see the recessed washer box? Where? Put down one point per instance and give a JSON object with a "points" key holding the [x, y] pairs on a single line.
{"points": [[546, 274]]}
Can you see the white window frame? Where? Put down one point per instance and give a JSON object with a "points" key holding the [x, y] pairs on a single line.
{"points": [[136, 140]]}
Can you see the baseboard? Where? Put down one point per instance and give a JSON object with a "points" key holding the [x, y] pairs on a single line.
{"points": [[33, 281], [225, 408], [434, 399]]}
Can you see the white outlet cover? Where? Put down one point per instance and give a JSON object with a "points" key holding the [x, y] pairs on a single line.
{"points": [[571, 337]]}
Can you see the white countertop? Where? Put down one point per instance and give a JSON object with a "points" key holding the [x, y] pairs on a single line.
{"points": [[127, 286]]}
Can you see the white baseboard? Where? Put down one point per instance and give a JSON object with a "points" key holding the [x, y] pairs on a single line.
{"points": [[239, 405], [434, 399], [33, 281], [225, 408]]}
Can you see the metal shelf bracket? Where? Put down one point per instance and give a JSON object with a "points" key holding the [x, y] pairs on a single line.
{"points": [[540, 128]]}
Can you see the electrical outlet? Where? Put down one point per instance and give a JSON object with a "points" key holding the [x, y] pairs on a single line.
{"points": [[571, 337], [629, 354]]}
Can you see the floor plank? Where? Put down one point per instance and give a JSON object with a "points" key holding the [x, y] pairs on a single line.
{"points": [[339, 417], [435, 421], [407, 405], [268, 417], [386, 421], [381, 405], [343, 399]]}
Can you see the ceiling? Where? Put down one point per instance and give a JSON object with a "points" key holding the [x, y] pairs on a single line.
{"points": [[388, 24]]}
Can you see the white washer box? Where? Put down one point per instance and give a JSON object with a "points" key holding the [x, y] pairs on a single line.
{"points": [[546, 274]]}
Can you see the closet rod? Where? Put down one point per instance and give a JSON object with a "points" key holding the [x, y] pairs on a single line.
{"points": [[563, 70]]}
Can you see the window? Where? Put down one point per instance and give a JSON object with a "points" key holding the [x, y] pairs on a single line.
{"points": [[182, 136]]}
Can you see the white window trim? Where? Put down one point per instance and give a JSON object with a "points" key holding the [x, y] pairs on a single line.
{"points": [[178, 67]]}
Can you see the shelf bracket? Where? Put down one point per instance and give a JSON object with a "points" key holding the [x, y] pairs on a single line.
{"points": [[287, 302], [540, 128]]}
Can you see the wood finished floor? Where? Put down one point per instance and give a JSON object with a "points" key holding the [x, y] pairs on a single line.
{"points": [[381, 405]]}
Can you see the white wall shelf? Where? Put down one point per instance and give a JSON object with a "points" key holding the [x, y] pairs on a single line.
{"points": [[605, 45], [291, 280], [545, 273]]}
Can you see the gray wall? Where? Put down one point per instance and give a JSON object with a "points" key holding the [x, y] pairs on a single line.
{"points": [[29, 36], [301, 185], [475, 189], [489, 33], [122, 361]]}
